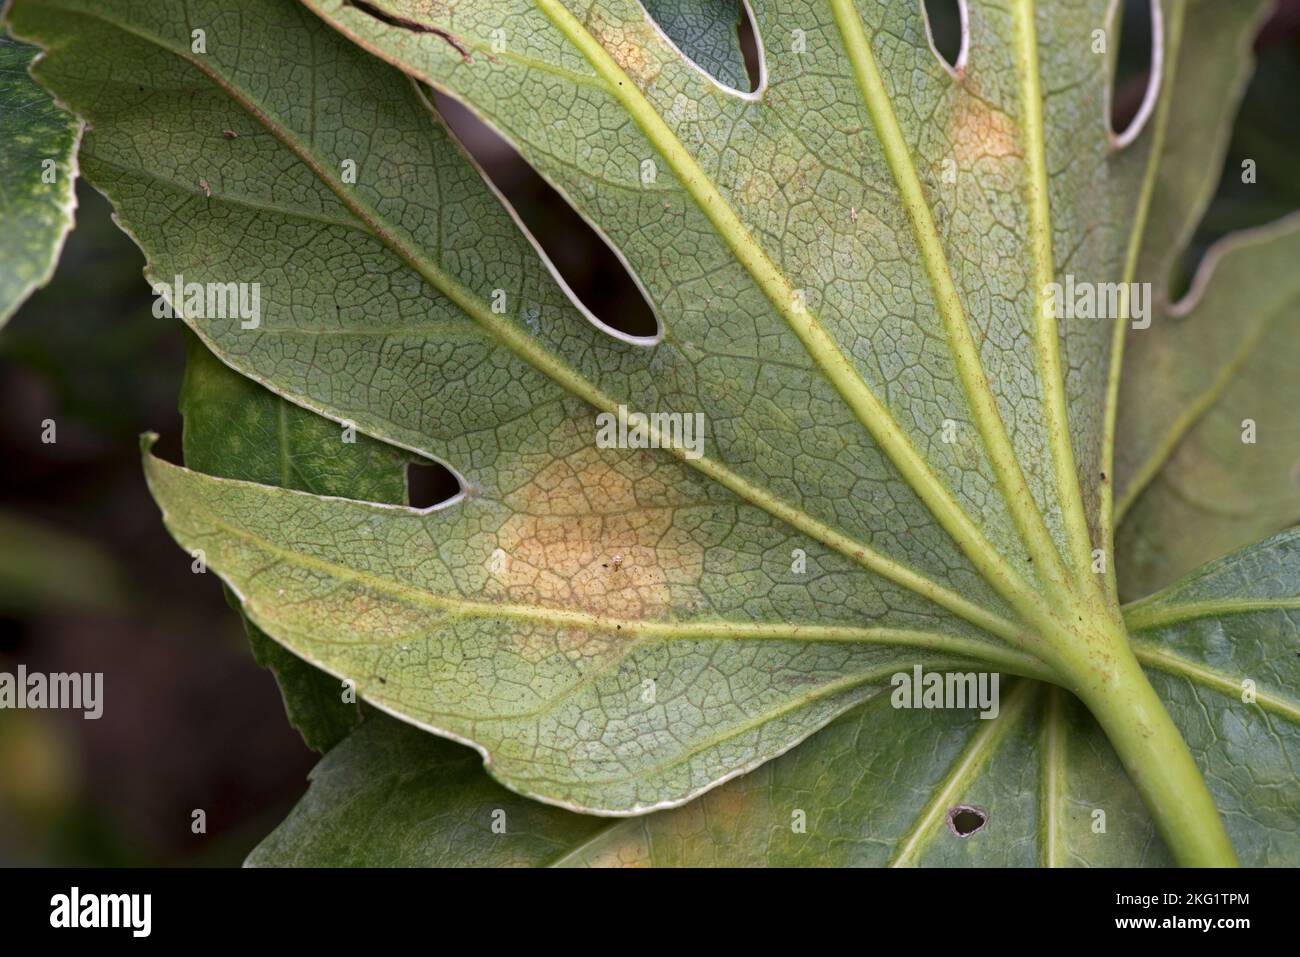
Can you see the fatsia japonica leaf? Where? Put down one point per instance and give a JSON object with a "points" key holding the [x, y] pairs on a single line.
{"points": [[879, 784], [38, 167], [904, 451], [751, 629]]}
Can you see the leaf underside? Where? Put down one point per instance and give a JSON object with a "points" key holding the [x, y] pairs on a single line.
{"points": [[877, 785], [622, 630]]}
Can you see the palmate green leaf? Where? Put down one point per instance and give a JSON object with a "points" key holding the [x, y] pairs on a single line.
{"points": [[38, 167], [830, 303], [598, 544], [876, 786]]}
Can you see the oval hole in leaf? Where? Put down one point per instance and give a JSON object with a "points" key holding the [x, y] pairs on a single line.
{"points": [[751, 48], [584, 262], [1136, 81], [429, 484], [964, 820], [946, 26]]}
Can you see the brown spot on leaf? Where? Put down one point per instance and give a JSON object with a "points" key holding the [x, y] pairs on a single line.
{"points": [[591, 532], [629, 44], [977, 131]]}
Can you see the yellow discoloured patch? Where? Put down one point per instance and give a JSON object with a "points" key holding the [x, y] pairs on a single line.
{"points": [[630, 45], [977, 132]]}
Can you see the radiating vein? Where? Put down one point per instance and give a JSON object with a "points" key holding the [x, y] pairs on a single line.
{"points": [[979, 395], [821, 346], [459, 607], [1053, 758], [1155, 656], [1152, 613], [1047, 337]]}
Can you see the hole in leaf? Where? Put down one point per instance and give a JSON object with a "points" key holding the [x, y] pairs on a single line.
{"points": [[429, 484], [945, 24], [1136, 81], [749, 47], [964, 820], [583, 260]]}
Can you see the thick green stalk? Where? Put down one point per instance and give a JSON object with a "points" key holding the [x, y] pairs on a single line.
{"points": [[1107, 677]]}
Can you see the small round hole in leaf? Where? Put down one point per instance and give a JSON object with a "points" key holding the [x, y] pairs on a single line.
{"points": [[964, 820]]}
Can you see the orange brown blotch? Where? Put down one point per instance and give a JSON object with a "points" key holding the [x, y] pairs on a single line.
{"points": [[583, 537], [977, 131]]}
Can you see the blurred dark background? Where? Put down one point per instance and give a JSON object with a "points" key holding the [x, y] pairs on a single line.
{"points": [[90, 581]]}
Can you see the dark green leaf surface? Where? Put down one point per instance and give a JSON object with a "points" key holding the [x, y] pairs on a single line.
{"points": [[235, 428], [38, 172], [1188, 489], [1219, 438]]}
